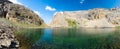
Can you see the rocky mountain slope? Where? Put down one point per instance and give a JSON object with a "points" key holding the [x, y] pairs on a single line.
{"points": [[18, 13], [98, 17], [10, 15]]}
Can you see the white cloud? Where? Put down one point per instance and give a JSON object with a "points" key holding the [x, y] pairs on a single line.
{"points": [[82, 1], [37, 12], [50, 8], [16, 2]]}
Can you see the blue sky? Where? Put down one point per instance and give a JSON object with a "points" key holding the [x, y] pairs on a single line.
{"points": [[46, 8]]}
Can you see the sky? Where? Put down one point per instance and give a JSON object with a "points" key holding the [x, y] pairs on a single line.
{"points": [[46, 8]]}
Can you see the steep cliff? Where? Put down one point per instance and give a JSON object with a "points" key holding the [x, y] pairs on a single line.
{"points": [[10, 15], [98, 17], [18, 13]]}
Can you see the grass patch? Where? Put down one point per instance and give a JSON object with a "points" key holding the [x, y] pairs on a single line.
{"points": [[22, 25], [117, 26], [71, 23]]}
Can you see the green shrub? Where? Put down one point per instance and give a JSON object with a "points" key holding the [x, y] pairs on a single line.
{"points": [[71, 23]]}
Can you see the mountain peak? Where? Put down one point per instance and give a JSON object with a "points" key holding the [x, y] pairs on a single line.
{"points": [[98, 17]]}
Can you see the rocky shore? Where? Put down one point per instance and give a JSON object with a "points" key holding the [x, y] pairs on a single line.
{"points": [[7, 38], [12, 15]]}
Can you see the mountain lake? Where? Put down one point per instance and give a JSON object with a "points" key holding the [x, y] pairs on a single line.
{"points": [[69, 38]]}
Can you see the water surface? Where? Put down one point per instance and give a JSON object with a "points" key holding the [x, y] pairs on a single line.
{"points": [[69, 38]]}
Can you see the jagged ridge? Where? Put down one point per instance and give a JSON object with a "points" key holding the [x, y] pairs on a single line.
{"points": [[98, 17]]}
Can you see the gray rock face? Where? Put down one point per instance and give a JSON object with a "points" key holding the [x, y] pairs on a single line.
{"points": [[2, 10], [18, 13], [87, 18]]}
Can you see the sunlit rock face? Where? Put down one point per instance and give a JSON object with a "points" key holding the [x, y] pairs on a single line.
{"points": [[98, 17], [18, 13]]}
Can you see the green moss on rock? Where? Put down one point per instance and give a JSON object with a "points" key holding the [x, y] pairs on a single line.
{"points": [[71, 23]]}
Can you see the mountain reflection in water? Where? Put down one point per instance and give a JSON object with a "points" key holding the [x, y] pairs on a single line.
{"points": [[71, 38]]}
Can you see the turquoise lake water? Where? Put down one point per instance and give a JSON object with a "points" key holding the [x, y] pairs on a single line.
{"points": [[69, 38]]}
